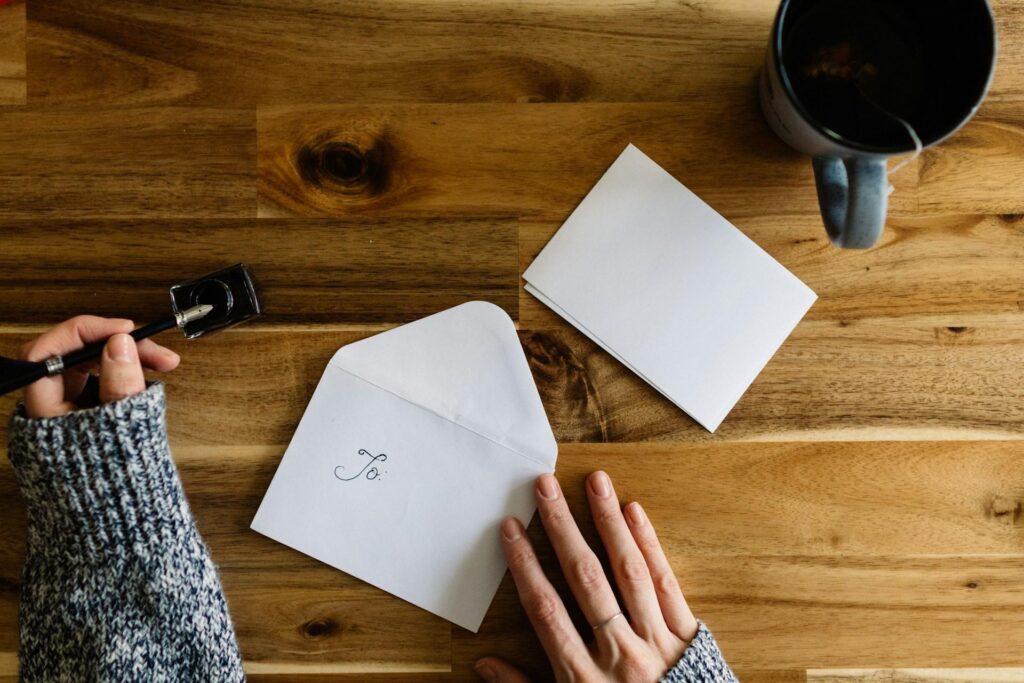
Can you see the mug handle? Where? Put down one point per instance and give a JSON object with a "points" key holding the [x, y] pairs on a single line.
{"points": [[853, 195]]}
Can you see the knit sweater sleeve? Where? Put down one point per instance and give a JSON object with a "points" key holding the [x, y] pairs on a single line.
{"points": [[701, 663], [117, 583]]}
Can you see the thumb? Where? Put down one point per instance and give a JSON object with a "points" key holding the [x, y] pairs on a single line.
{"points": [[120, 370], [494, 670]]}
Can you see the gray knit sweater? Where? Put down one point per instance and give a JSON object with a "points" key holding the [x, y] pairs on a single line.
{"points": [[118, 585]]}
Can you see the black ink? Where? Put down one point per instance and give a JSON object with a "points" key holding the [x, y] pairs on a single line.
{"points": [[371, 472]]}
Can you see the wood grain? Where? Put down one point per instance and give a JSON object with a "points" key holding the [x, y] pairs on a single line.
{"points": [[412, 51], [333, 51], [531, 161], [833, 381], [315, 619], [957, 270], [540, 161], [970, 169], [309, 272], [12, 53], [126, 163]]}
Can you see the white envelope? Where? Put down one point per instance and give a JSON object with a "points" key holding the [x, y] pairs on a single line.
{"points": [[415, 445]]}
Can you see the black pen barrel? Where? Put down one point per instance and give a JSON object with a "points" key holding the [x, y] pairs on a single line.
{"points": [[15, 374], [95, 350], [23, 379]]}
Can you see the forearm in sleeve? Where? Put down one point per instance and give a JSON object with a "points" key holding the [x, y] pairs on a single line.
{"points": [[117, 584], [701, 663]]}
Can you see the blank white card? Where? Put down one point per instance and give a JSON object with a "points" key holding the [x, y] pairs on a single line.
{"points": [[669, 287]]}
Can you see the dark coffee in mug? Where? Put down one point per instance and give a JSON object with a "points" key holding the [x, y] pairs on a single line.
{"points": [[858, 65], [852, 82]]}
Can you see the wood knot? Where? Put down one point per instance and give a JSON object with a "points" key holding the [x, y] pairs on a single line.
{"points": [[1011, 217], [953, 331], [344, 166], [1006, 510], [566, 388], [540, 81], [972, 584], [320, 628]]}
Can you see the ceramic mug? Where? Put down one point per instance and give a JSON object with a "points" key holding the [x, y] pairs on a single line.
{"points": [[854, 82]]}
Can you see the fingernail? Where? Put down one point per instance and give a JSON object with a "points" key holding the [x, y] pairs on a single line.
{"points": [[121, 348], [484, 670], [547, 487], [600, 484], [511, 529], [636, 514]]}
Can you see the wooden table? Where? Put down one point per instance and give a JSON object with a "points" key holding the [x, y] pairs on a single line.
{"points": [[862, 508]]}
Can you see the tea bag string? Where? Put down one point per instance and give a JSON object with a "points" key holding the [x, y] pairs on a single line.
{"points": [[918, 147]]}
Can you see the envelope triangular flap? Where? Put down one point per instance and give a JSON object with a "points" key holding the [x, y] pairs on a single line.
{"points": [[466, 365]]}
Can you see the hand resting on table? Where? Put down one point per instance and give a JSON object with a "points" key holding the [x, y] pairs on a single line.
{"points": [[639, 648]]}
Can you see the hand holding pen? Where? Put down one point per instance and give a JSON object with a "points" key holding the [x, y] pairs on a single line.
{"points": [[120, 364]]}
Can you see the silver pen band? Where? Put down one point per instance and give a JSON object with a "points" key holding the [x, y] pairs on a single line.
{"points": [[54, 366]]}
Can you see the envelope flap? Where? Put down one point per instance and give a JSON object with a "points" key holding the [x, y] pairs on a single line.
{"points": [[464, 364]]}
